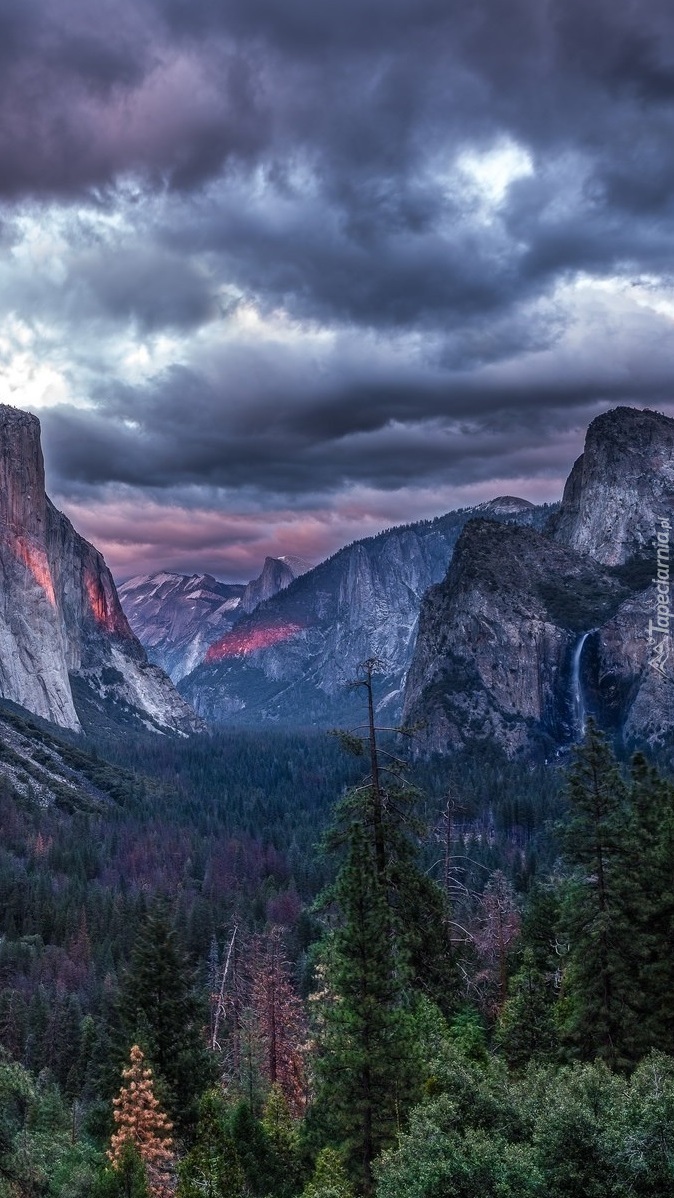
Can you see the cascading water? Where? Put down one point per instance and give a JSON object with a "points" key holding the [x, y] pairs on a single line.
{"points": [[579, 712]]}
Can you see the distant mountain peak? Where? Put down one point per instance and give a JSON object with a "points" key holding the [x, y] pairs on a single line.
{"points": [[505, 505], [277, 574], [298, 565], [177, 616]]}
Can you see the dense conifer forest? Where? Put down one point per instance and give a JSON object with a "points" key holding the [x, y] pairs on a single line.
{"points": [[305, 966]]}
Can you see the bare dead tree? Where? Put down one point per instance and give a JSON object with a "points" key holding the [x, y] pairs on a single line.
{"points": [[220, 1003]]}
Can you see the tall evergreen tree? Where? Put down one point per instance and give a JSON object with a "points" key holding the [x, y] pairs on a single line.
{"points": [[283, 1139], [264, 1166], [526, 1028], [329, 1179], [142, 1126], [365, 1066], [384, 806], [211, 1168], [650, 904], [600, 987], [127, 1179], [159, 1008], [279, 1020]]}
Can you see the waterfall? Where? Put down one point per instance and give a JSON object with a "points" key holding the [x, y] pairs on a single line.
{"points": [[579, 712]]}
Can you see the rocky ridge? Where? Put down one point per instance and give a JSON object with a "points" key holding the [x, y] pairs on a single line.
{"points": [[277, 574], [291, 660], [527, 631], [178, 616]]}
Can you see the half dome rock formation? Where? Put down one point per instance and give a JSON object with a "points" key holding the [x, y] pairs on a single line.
{"points": [[528, 633], [277, 574], [177, 617], [67, 653]]}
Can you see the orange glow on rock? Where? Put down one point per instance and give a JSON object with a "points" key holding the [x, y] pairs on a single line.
{"points": [[35, 560], [242, 641], [103, 611]]}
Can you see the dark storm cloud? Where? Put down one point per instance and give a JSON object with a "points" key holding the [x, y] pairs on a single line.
{"points": [[366, 92], [323, 166], [271, 431], [88, 93], [362, 84], [155, 289], [365, 261]]}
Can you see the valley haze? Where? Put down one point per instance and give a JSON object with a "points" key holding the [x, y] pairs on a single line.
{"points": [[498, 624]]}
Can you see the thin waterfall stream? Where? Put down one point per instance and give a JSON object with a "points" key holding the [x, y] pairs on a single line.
{"points": [[579, 710]]}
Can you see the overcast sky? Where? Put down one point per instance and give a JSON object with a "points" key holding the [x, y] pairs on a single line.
{"points": [[275, 274]]}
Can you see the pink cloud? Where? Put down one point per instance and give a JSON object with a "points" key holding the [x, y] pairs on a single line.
{"points": [[140, 536]]}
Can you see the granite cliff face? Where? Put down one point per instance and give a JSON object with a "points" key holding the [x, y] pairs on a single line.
{"points": [[527, 634], [33, 643], [621, 485], [67, 652], [494, 657], [291, 660]]}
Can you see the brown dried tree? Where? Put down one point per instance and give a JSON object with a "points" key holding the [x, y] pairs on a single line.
{"points": [[141, 1122], [280, 1021]]}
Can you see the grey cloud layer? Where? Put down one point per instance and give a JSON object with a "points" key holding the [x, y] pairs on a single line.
{"points": [[365, 85], [315, 159]]}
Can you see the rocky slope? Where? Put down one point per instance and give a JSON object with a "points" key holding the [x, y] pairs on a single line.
{"points": [[67, 652], [178, 616], [291, 660], [496, 641], [39, 770], [527, 634]]}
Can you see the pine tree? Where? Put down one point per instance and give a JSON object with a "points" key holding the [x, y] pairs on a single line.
{"points": [[142, 1124], [599, 983], [384, 805], [283, 1140], [211, 1168], [67, 1040], [80, 1081], [650, 904], [366, 1063], [329, 1179], [36, 1053], [527, 1025], [526, 1028], [498, 931], [128, 1178], [254, 1152], [159, 1007]]}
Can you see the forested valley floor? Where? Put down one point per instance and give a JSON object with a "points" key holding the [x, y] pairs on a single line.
{"points": [[287, 966]]}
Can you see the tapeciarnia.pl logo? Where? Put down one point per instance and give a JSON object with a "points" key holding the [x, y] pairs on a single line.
{"points": [[658, 630]]}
